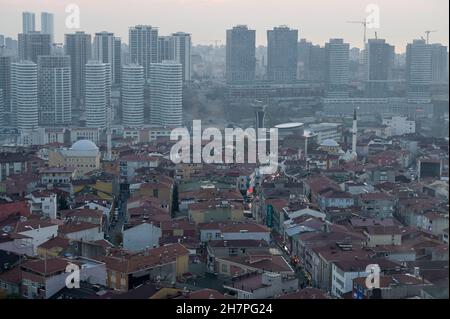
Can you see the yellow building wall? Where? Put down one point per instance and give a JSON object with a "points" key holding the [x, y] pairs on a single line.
{"points": [[117, 283], [105, 189], [182, 265], [48, 253], [55, 159]]}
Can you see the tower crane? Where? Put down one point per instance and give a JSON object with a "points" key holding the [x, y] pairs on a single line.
{"points": [[364, 24]]}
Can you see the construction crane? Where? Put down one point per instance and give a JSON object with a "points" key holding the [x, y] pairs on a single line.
{"points": [[428, 34], [216, 42], [364, 24]]}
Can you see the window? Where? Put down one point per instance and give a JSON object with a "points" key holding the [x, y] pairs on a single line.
{"points": [[224, 268]]}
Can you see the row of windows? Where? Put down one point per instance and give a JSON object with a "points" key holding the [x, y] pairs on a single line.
{"points": [[82, 165]]}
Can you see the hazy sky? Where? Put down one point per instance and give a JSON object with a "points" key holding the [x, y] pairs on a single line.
{"points": [[207, 20]]}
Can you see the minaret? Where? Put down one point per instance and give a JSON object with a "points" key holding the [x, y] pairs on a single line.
{"points": [[108, 135], [354, 132]]}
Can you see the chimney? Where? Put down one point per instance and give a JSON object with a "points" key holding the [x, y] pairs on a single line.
{"points": [[417, 272]]}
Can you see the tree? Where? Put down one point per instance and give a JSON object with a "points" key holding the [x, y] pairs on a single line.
{"points": [[62, 203]]}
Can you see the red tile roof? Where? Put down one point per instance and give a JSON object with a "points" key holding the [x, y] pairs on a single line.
{"points": [[153, 257], [83, 212], [383, 230], [57, 242], [307, 293], [376, 196], [272, 263], [206, 294], [16, 208], [47, 266], [31, 224], [234, 227], [74, 227], [13, 276]]}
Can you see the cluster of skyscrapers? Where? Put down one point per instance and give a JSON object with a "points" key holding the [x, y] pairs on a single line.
{"points": [[290, 60], [44, 83]]}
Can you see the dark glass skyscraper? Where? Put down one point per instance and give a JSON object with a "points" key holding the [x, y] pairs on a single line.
{"points": [[34, 44], [54, 84], [240, 55], [143, 42], [282, 54], [418, 69], [78, 47], [5, 81], [379, 61], [337, 61]]}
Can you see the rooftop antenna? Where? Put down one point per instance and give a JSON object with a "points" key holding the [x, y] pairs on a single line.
{"points": [[428, 34]]}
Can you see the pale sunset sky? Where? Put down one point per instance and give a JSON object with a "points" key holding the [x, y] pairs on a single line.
{"points": [[317, 20]]}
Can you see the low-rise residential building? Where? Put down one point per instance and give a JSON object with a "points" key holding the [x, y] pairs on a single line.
{"points": [[335, 199], [306, 293], [231, 248], [86, 215], [398, 286], [317, 251], [251, 262], [344, 271], [12, 164], [56, 175], [130, 163], [180, 231], [261, 286], [42, 278], [14, 209], [215, 211], [433, 222], [377, 205], [82, 231], [383, 235], [166, 264], [24, 236], [44, 203], [357, 188], [53, 247], [145, 235], [10, 282], [233, 231]]}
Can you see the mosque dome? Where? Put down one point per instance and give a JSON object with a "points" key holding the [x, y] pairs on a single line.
{"points": [[329, 143], [84, 145]]}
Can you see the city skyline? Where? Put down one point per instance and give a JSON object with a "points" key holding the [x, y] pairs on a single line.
{"points": [[315, 166], [220, 15]]}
